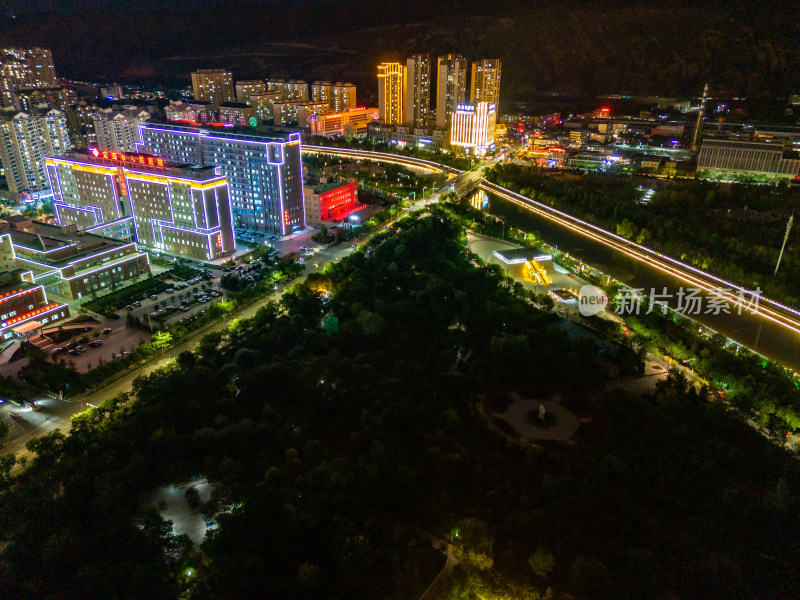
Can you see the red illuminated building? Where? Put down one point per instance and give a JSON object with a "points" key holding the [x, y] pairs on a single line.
{"points": [[331, 201]]}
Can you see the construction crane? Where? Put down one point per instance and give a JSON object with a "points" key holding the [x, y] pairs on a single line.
{"points": [[699, 126]]}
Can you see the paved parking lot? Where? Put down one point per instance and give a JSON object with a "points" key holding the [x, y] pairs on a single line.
{"points": [[175, 299], [120, 339]]}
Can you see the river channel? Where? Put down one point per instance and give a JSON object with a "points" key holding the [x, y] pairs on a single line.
{"points": [[754, 332]]}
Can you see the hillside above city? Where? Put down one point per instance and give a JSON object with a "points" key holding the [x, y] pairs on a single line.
{"points": [[568, 47]]}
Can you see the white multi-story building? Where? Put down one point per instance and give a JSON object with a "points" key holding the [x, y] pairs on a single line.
{"points": [[116, 129], [25, 139], [472, 126]]}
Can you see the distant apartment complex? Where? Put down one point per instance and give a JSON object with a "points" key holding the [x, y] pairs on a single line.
{"points": [[244, 89], [263, 104], [339, 96], [294, 89], [25, 139], [25, 68], [286, 112], [115, 130], [29, 98], [178, 209], [213, 85], [264, 172], [747, 158]]}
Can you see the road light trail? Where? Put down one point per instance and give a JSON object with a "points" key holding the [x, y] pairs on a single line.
{"points": [[675, 268], [732, 292], [397, 159]]}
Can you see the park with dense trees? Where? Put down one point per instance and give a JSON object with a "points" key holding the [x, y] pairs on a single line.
{"points": [[335, 457]]}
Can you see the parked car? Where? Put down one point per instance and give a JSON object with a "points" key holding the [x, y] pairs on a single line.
{"points": [[129, 307], [80, 349], [107, 330], [56, 351], [96, 343], [153, 296], [73, 352]]}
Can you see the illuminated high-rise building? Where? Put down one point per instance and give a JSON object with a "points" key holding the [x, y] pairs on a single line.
{"points": [[451, 86], [294, 89], [245, 89], [25, 138], [472, 126], [264, 171], [485, 81], [178, 209], [25, 68], [213, 85], [418, 90], [339, 96], [343, 96], [391, 93]]}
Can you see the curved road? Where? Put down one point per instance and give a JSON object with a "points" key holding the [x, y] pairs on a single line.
{"points": [[762, 309]]}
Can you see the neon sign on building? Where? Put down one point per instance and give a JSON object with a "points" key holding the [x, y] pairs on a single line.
{"points": [[136, 159]]}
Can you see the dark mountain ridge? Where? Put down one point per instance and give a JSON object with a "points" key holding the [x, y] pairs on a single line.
{"points": [[571, 47]]}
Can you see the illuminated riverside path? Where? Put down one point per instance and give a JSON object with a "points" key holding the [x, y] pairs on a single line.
{"points": [[774, 331]]}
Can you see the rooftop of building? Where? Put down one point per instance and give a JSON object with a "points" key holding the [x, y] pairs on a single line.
{"points": [[11, 283], [44, 238], [321, 188], [234, 105], [514, 255], [239, 133], [187, 170], [727, 143], [109, 114], [32, 112]]}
